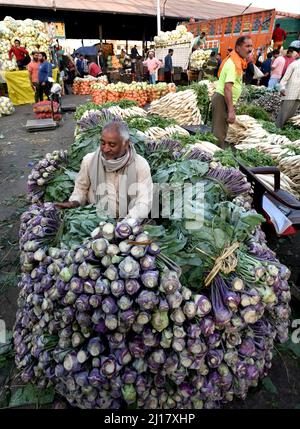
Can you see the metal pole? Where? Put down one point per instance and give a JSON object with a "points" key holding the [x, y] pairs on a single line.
{"points": [[158, 16]]}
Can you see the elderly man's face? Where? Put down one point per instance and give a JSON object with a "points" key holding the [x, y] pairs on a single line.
{"points": [[112, 145]]}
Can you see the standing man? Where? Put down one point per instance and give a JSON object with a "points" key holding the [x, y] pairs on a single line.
{"points": [[33, 70], [266, 69], [288, 58], [134, 55], [101, 60], [290, 90], [21, 54], [277, 67], [211, 66], [169, 66], [80, 65], [200, 41], [229, 88], [153, 64], [45, 72], [278, 37]]}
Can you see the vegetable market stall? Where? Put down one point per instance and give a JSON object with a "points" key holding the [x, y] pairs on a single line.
{"points": [[33, 34], [147, 316], [19, 87]]}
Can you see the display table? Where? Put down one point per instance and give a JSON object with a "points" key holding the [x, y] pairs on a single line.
{"points": [[19, 87]]}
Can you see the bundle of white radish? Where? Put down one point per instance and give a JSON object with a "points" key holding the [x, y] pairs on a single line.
{"points": [[291, 166], [130, 112], [245, 127], [181, 106], [286, 184], [295, 120], [157, 133]]}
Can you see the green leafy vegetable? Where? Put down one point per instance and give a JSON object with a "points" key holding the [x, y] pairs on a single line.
{"points": [[77, 225], [250, 157], [256, 112], [30, 395]]}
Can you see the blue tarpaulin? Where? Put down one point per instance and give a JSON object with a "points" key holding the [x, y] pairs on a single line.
{"points": [[87, 50]]}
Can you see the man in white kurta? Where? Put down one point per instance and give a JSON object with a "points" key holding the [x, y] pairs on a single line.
{"points": [[290, 90], [115, 177]]}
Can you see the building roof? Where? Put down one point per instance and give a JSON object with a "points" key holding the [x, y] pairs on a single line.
{"points": [[197, 9]]}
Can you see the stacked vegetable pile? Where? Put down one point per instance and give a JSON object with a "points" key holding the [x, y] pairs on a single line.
{"points": [[43, 172], [175, 37], [114, 322], [181, 106], [113, 62], [142, 93], [262, 97], [43, 110], [6, 107], [247, 133], [32, 34], [82, 86], [199, 59]]}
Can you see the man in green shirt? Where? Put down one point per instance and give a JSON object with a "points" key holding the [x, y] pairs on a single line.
{"points": [[229, 88]]}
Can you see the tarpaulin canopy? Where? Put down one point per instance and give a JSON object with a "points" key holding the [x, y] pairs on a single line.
{"points": [[19, 87], [86, 50]]}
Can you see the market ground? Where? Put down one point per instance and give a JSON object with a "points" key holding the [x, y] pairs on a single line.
{"points": [[19, 150]]}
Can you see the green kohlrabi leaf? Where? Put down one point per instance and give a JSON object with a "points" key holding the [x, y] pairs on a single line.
{"points": [[30, 395]]}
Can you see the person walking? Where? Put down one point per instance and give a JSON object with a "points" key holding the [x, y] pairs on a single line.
{"points": [[33, 70], [266, 69], [290, 91], [229, 88], [45, 72], [169, 66], [20, 53], [276, 69], [278, 37], [288, 58], [153, 64]]}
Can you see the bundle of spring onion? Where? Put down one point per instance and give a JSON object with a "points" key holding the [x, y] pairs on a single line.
{"points": [[113, 322]]}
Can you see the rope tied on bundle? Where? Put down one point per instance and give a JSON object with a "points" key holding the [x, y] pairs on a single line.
{"points": [[226, 262]]}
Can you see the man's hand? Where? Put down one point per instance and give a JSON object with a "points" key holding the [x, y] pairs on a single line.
{"points": [[67, 205], [43, 83], [231, 117], [282, 92]]}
